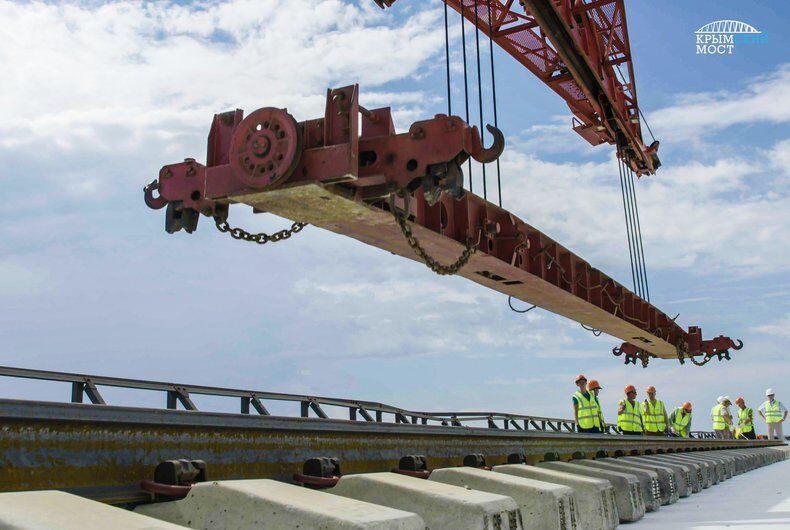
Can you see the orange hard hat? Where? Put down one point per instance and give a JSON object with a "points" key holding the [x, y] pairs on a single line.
{"points": [[740, 401], [651, 388], [592, 385], [580, 377], [630, 388], [687, 406]]}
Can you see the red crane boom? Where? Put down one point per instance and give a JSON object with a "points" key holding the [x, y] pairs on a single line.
{"points": [[577, 48]]}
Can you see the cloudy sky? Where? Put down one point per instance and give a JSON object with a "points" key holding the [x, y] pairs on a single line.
{"points": [[96, 97]]}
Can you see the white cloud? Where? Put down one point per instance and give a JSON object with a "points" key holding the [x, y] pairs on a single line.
{"points": [[693, 116], [779, 328], [133, 78], [693, 215]]}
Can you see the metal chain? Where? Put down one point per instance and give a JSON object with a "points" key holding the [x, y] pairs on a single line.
{"points": [[432, 264], [260, 238]]}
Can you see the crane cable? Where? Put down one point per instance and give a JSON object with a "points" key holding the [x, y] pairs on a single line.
{"points": [[633, 225], [493, 94], [466, 83]]}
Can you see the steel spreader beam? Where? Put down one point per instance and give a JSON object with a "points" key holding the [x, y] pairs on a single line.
{"points": [[580, 49], [349, 172]]}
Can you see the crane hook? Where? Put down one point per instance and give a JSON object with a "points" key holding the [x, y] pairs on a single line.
{"points": [[473, 144], [152, 202]]}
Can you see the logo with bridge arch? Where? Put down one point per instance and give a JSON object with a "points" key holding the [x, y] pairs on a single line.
{"points": [[720, 37]]}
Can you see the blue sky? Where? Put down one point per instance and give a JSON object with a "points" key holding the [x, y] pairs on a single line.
{"points": [[97, 97]]}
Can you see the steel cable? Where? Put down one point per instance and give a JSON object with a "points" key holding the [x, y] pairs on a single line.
{"points": [[632, 230], [466, 83], [480, 93], [493, 93], [639, 236], [447, 61], [627, 224]]}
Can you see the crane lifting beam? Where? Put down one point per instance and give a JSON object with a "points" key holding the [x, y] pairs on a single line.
{"points": [[577, 48], [404, 193]]}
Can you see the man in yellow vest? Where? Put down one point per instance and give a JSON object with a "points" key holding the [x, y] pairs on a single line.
{"points": [[654, 414], [721, 418], [629, 413], [680, 419], [585, 407], [745, 420], [594, 387], [774, 414]]}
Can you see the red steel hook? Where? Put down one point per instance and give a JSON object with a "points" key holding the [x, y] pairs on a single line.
{"points": [[152, 202], [473, 144]]}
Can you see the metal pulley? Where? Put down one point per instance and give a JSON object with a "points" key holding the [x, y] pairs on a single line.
{"points": [[265, 148]]}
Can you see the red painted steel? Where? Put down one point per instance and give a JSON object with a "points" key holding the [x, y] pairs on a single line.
{"points": [[581, 50], [364, 174]]}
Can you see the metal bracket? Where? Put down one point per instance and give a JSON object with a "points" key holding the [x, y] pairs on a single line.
{"points": [[179, 394]]}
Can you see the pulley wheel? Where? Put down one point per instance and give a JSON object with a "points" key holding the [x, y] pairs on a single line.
{"points": [[265, 148]]}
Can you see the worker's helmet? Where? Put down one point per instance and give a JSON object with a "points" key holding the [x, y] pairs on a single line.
{"points": [[592, 385], [687, 406], [581, 377], [769, 392], [651, 388], [630, 388], [739, 401], [725, 398]]}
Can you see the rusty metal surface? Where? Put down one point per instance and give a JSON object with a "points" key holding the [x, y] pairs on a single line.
{"points": [[632, 319], [103, 451], [404, 193]]}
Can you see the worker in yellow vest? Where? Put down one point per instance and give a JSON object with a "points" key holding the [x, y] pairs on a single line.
{"points": [[594, 387], [629, 413], [585, 407], [654, 414], [745, 420], [774, 414], [721, 418], [680, 420]]}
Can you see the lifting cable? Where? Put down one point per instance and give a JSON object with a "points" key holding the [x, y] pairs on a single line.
{"points": [[466, 83], [493, 93], [627, 222], [636, 248], [447, 61], [639, 238], [480, 92]]}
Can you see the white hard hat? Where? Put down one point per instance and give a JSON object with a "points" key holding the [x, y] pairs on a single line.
{"points": [[719, 399], [725, 398], [769, 392]]}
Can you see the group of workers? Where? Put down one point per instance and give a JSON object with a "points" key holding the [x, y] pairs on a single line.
{"points": [[650, 416]]}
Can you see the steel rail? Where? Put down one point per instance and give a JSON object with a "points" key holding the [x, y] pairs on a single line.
{"points": [[358, 410], [103, 452]]}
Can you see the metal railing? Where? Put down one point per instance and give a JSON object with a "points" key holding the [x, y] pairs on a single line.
{"points": [[250, 401]]}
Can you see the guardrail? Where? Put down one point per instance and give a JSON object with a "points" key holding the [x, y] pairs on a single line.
{"points": [[83, 385]]}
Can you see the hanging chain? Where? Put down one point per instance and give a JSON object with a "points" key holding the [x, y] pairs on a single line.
{"points": [[432, 264], [260, 238]]}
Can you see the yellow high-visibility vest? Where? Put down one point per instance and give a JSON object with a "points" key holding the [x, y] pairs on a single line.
{"points": [[773, 414], [744, 423], [587, 410], [631, 418], [681, 422], [653, 415], [719, 423]]}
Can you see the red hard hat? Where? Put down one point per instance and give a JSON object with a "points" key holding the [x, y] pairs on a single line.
{"points": [[580, 377], [592, 385], [740, 401], [687, 406], [651, 388], [630, 388]]}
